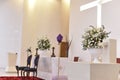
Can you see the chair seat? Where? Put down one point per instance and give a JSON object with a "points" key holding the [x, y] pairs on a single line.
{"points": [[30, 69], [22, 67]]}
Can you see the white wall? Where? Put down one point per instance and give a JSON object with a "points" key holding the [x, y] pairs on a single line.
{"points": [[111, 18], [10, 28], [23, 22], [43, 18], [79, 21]]}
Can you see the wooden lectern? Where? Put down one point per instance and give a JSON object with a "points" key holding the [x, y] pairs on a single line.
{"points": [[64, 49]]}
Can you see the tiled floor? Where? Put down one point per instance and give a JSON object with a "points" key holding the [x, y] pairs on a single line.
{"points": [[3, 73]]}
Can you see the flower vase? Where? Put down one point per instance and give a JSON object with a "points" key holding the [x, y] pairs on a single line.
{"points": [[95, 55]]}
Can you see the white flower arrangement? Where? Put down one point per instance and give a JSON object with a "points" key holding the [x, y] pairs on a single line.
{"points": [[44, 43], [94, 37]]}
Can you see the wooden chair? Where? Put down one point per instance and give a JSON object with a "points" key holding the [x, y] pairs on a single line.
{"points": [[34, 69], [21, 68]]}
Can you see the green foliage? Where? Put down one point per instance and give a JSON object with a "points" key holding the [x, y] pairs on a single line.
{"points": [[44, 44], [94, 37]]}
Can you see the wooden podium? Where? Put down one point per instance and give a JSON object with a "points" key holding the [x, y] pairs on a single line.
{"points": [[64, 49]]}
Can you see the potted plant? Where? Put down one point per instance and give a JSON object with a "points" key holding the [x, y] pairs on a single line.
{"points": [[93, 39], [43, 44]]}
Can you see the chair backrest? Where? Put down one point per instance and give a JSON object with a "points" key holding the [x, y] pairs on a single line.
{"points": [[29, 60], [36, 60]]}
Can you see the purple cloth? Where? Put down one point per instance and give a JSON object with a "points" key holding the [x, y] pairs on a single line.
{"points": [[59, 38]]}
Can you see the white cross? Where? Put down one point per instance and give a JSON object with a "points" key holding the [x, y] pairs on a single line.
{"points": [[97, 3]]}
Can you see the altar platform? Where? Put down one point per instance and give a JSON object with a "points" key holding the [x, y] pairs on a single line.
{"points": [[93, 71]]}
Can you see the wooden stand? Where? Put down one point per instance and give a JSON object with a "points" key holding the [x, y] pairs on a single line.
{"points": [[53, 54], [64, 49]]}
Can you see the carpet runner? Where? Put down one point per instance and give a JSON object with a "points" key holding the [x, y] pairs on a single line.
{"points": [[19, 78]]}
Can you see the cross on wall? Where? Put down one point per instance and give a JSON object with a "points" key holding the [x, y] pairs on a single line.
{"points": [[97, 3]]}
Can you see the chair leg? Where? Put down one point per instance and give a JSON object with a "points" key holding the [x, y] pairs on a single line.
{"points": [[17, 68], [33, 73], [36, 73], [21, 73], [28, 73], [18, 72]]}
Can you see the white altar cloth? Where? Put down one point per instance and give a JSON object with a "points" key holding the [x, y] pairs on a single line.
{"points": [[52, 68]]}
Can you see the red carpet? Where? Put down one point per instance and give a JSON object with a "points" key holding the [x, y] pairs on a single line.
{"points": [[19, 78]]}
